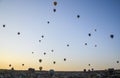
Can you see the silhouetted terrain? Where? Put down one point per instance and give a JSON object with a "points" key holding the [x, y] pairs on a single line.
{"points": [[31, 73]]}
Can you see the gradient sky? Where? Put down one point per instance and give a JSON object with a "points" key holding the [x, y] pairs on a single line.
{"points": [[29, 17]]}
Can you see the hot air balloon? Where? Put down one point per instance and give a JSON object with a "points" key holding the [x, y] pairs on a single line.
{"points": [[92, 69], [117, 61], [52, 50], [51, 73], [68, 45], [54, 10], [18, 33], [78, 16], [10, 65], [39, 40], [40, 60], [12, 68], [89, 34], [64, 59], [42, 36], [3, 25], [85, 43], [112, 36], [95, 45], [55, 3], [22, 64], [32, 52], [48, 22], [40, 68], [54, 62], [44, 53], [84, 70], [88, 70], [95, 29]]}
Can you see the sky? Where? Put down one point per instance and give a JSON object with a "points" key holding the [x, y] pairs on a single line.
{"points": [[30, 17]]}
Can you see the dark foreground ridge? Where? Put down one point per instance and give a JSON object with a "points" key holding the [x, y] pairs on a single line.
{"points": [[31, 73]]}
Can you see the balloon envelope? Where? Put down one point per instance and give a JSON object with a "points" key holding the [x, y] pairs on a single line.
{"points": [[89, 34], [3, 25], [12, 68], [95, 29], [40, 60], [10, 65], [95, 45], [44, 53], [64, 59], [117, 61], [55, 3], [18, 33], [22, 64], [85, 43], [52, 50], [39, 40], [112, 36], [54, 10], [42, 36], [51, 72], [48, 22], [54, 62], [68, 45], [40, 68], [78, 16]]}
